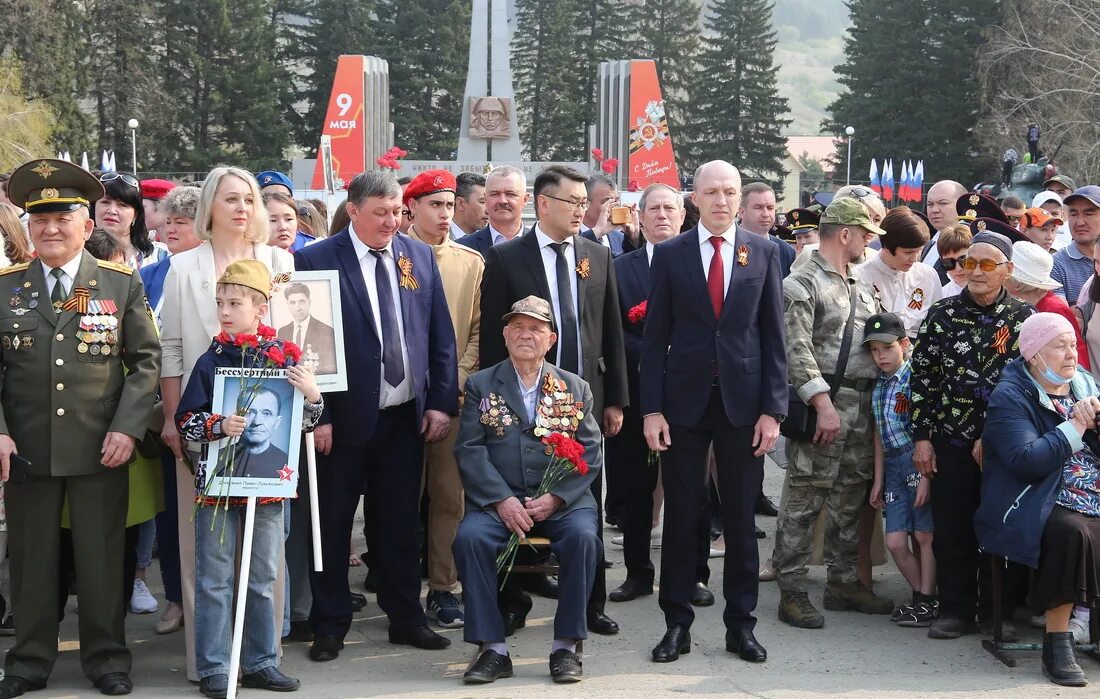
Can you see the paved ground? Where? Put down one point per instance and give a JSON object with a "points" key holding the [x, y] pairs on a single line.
{"points": [[855, 655]]}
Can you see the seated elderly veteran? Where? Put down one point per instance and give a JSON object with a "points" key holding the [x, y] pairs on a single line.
{"points": [[1040, 503], [508, 409]]}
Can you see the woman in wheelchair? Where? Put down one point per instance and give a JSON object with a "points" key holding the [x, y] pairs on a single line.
{"points": [[1041, 482]]}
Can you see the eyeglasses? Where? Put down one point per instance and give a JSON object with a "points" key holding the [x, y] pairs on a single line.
{"points": [[970, 264], [949, 263], [576, 205], [112, 176]]}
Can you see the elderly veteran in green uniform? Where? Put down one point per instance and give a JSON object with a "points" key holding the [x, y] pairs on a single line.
{"points": [[80, 362], [832, 472]]}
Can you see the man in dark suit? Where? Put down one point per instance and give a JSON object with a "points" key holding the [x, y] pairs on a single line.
{"points": [[596, 225], [316, 339], [505, 198], [662, 212], [940, 207], [402, 391], [509, 408], [757, 215], [575, 275], [713, 370]]}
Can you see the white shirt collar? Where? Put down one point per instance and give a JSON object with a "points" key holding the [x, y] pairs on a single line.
{"points": [[649, 251], [361, 248], [545, 240], [494, 234], [70, 268], [705, 235], [519, 380]]}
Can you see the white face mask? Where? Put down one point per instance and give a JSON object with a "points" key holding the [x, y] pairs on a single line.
{"points": [[1052, 376]]}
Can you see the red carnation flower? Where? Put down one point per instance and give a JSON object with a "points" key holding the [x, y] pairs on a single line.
{"points": [[637, 313], [292, 351], [609, 165], [276, 355], [597, 154], [246, 340], [266, 332]]}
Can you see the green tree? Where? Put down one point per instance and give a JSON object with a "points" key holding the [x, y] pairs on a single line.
{"points": [[668, 32], [333, 28], [608, 31], [427, 46], [549, 82], [25, 124], [911, 88], [738, 113]]}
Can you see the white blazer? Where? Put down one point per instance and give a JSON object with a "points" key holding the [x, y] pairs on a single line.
{"points": [[189, 313]]}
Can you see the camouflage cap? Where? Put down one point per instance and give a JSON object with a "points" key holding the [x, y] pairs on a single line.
{"points": [[533, 307], [849, 212]]}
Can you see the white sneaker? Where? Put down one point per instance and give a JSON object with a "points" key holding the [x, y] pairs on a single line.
{"points": [[142, 601], [654, 536], [1079, 629], [617, 539]]}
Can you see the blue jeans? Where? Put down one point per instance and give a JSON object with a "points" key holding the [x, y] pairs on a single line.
{"points": [[899, 494], [147, 534], [215, 575]]}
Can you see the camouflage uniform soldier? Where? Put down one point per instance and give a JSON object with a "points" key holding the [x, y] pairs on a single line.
{"points": [[834, 470]]}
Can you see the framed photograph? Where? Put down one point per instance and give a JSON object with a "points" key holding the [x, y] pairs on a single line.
{"points": [[305, 310], [264, 460]]}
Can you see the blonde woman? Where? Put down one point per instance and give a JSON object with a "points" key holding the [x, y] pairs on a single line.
{"points": [[233, 225]]}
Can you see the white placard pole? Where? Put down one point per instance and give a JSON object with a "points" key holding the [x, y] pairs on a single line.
{"points": [[242, 596], [314, 504]]}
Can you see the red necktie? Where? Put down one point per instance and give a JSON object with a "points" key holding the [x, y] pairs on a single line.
{"points": [[716, 277]]}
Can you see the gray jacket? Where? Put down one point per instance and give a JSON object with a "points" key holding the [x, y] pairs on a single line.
{"points": [[499, 456]]}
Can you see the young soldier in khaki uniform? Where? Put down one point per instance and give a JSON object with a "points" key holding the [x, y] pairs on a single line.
{"points": [[430, 200], [80, 360], [835, 470]]}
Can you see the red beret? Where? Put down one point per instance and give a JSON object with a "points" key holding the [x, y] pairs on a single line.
{"points": [[156, 189], [430, 182]]}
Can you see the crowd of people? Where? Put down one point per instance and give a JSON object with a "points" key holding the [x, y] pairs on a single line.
{"points": [[508, 381]]}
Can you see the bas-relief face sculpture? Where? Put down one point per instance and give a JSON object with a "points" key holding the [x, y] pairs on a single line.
{"points": [[489, 117]]}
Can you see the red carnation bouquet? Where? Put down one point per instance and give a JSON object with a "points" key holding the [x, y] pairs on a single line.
{"points": [[637, 313], [566, 458], [259, 351]]}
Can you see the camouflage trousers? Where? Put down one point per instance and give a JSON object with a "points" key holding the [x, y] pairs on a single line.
{"points": [[834, 477]]}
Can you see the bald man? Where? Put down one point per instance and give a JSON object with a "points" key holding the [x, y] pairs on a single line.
{"points": [[940, 208]]}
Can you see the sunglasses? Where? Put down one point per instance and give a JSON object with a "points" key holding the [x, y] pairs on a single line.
{"points": [[970, 264], [861, 192], [112, 176], [950, 263]]}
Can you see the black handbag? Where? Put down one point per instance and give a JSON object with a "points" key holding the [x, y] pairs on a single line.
{"points": [[801, 422]]}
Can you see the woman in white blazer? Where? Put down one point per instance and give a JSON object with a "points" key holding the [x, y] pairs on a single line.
{"points": [[232, 224]]}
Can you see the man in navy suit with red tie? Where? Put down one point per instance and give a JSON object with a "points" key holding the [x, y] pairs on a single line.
{"points": [[402, 391], [713, 370]]}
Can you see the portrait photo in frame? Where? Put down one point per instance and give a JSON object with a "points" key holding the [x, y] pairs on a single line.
{"points": [[305, 309], [264, 460]]}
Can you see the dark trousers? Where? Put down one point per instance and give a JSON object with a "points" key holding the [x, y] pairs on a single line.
{"points": [[617, 472], [597, 600], [481, 537], [684, 474], [168, 533], [390, 465], [963, 574], [97, 508], [638, 504]]}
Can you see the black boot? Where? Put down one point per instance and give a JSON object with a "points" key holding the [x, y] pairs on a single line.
{"points": [[1059, 662]]}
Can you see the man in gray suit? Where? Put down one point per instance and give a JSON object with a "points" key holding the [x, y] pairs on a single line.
{"points": [[508, 409]]}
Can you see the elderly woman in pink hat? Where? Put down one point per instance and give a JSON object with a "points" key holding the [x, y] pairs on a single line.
{"points": [[1041, 484]]}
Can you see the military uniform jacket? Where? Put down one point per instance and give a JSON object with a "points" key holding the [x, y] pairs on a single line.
{"points": [[499, 455], [58, 397], [816, 302]]}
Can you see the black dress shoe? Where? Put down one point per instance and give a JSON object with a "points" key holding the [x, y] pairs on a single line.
{"points": [[489, 667], [701, 596], [675, 642], [760, 533], [300, 631], [15, 686], [600, 623], [214, 686], [543, 585], [630, 589], [745, 645], [358, 601], [514, 619], [271, 679], [765, 506], [370, 582], [114, 684], [565, 666], [326, 648], [419, 637]]}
